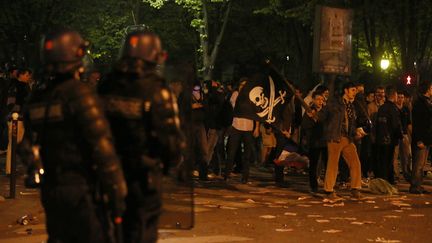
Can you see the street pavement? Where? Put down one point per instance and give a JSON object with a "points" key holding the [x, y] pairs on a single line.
{"points": [[262, 212]]}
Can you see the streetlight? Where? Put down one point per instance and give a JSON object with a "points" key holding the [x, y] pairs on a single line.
{"points": [[385, 63]]}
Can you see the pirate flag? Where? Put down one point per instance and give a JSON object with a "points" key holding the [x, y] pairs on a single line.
{"points": [[263, 99]]}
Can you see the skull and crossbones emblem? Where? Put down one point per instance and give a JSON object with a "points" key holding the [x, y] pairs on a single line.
{"points": [[257, 96]]}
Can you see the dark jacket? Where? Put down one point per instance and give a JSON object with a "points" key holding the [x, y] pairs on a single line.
{"points": [[74, 136], [214, 115], [144, 119], [312, 133], [388, 128], [363, 119], [422, 120], [332, 116]]}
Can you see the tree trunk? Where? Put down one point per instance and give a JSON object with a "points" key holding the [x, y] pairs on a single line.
{"points": [[209, 59]]}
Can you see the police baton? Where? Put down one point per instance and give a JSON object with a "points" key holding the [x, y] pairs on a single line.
{"points": [[12, 184]]}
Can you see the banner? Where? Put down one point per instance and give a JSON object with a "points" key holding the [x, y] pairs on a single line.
{"points": [[332, 40], [263, 99]]}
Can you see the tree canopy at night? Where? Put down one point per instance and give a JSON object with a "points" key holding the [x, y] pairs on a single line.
{"points": [[227, 36]]}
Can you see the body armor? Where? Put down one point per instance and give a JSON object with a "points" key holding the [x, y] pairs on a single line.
{"points": [[81, 171], [145, 124]]}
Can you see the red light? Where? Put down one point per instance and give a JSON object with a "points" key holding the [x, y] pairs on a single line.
{"points": [[408, 80]]}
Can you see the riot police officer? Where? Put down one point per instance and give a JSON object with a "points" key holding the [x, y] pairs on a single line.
{"points": [[67, 122], [144, 119]]}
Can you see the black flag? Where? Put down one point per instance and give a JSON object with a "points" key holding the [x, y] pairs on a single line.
{"points": [[263, 99]]}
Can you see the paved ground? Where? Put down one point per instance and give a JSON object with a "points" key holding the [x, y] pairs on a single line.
{"points": [[261, 212]]}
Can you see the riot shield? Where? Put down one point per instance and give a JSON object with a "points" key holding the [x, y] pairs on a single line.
{"points": [[177, 186]]}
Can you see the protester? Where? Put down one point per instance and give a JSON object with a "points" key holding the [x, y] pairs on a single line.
{"points": [[242, 130], [388, 132], [340, 130], [403, 149], [421, 136], [313, 138]]}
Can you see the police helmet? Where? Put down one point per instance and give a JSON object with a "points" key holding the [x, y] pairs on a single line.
{"points": [[143, 44], [62, 51]]}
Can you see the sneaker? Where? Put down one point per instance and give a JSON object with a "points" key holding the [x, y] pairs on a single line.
{"points": [[356, 194], [332, 197]]}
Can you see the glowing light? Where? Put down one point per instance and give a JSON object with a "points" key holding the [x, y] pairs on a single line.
{"points": [[385, 63]]}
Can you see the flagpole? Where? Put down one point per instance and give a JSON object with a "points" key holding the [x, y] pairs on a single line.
{"points": [[290, 86]]}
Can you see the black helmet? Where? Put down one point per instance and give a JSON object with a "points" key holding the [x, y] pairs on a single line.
{"points": [[145, 45], [62, 51]]}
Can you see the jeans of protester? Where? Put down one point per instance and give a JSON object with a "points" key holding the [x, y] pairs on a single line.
{"points": [[349, 152], [200, 147], [384, 167], [364, 149], [314, 156], [419, 160], [403, 151], [234, 141]]}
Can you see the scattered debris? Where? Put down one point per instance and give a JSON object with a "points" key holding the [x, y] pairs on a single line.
{"points": [[368, 222], [29, 193], [315, 202], [406, 208], [211, 206], [314, 216], [427, 203], [304, 205], [381, 186], [322, 220], [392, 216], [226, 207], [332, 231], [376, 207], [274, 206], [382, 239], [357, 223], [267, 216], [416, 215], [250, 201], [303, 198], [25, 220], [336, 218], [290, 214], [370, 201], [350, 219], [400, 204], [341, 204], [284, 230], [398, 211]]}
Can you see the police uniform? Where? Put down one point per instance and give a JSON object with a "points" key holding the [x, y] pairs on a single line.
{"points": [[144, 119], [66, 120]]}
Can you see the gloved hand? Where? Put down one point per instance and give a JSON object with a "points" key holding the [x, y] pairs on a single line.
{"points": [[116, 199]]}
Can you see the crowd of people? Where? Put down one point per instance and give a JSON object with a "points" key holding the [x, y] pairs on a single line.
{"points": [[352, 137]]}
